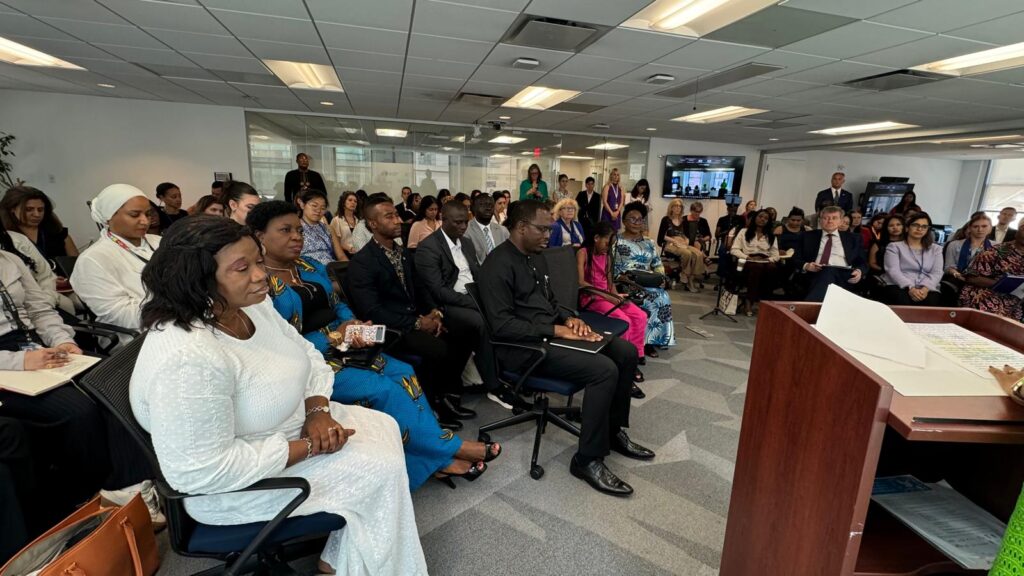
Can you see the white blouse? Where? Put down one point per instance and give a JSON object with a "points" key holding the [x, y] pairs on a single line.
{"points": [[759, 245], [108, 279]]}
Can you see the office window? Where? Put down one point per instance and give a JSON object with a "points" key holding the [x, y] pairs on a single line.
{"points": [[1005, 187]]}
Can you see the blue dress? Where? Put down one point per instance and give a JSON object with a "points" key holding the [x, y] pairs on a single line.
{"points": [[394, 391], [643, 255]]}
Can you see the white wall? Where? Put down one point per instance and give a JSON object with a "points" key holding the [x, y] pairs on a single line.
{"points": [[71, 147], [794, 178]]}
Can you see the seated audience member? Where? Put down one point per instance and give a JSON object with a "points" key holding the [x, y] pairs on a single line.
{"points": [[443, 196], [244, 397], [986, 269], [960, 253], [304, 296], [828, 256], [676, 248], [484, 231], [757, 254], [633, 252], [906, 205], [39, 266], [749, 209], [566, 230], [239, 198], [871, 233], [171, 211], [698, 231], [844, 225], [216, 190], [773, 217], [29, 211], [857, 227], [595, 265], [913, 267], [500, 206], [209, 205], [445, 263], [405, 209], [107, 274], [319, 243], [345, 221], [641, 193], [791, 232], [520, 309], [893, 231], [153, 215], [1002, 232], [428, 221], [382, 289], [729, 222], [461, 198], [361, 234]]}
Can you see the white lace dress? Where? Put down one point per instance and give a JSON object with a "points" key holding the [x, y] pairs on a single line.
{"points": [[221, 412]]}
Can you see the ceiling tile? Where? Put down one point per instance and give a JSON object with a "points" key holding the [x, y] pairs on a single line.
{"points": [[711, 55], [605, 13], [458, 50], [627, 88], [27, 26], [774, 87], [492, 88], [790, 61], [366, 60], [943, 15], [460, 21], [636, 45], [286, 8], [919, 52], [855, 39], [360, 75], [565, 82], [228, 63], [507, 75], [110, 67], [432, 82], [287, 51], [510, 5], [381, 14], [368, 90], [599, 99], [147, 56], [595, 67], [504, 55], [435, 67], [1012, 76], [70, 9], [998, 31], [269, 28], [837, 72], [859, 9], [822, 93], [368, 39], [642, 73], [972, 91], [202, 43], [169, 15], [100, 33]]}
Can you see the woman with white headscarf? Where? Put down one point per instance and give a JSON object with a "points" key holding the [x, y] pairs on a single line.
{"points": [[108, 274]]}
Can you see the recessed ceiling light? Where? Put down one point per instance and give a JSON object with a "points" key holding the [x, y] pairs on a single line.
{"points": [[694, 17], [504, 117], [993, 60], [862, 128], [261, 137], [360, 142], [539, 98], [506, 140], [327, 103], [573, 157], [773, 139], [305, 76], [391, 132], [14, 53], [718, 115], [105, 85], [526, 153], [500, 156], [459, 139], [607, 146], [449, 148], [652, 129]]}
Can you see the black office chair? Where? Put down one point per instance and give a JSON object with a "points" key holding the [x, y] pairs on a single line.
{"points": [[522, 381], [564, 283], [262, 546]]}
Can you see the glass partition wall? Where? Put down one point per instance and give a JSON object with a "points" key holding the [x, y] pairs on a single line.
{"points": [[379, 156]]}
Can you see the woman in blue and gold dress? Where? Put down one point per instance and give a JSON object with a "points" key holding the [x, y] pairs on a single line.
{"points": [[303, 294]]}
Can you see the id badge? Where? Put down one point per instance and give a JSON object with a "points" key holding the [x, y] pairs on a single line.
{"points": [[29, 346]]}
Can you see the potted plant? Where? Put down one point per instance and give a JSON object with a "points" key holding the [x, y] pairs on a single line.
{"points": [[7, 179]]}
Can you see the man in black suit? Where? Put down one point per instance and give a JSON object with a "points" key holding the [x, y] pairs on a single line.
{"points": [[381, 287], [835, 195], [445, 262], [589, 201], [298, 181], [1002, 232], [828, 256]]}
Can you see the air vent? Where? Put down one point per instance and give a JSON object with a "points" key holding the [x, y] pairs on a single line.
{"points": [[730, 76], [895, 80], [526, 63], [659, 79], [552, 33], [600, 126], [579, 108], [480, 99]]}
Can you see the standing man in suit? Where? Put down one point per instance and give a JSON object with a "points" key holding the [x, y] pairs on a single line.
{"points": [[483, 232], [445, 262], [1002, 232], [835, 195], [381, 287], [298, 181], [589, 201], [406, 213], [828, 256]]}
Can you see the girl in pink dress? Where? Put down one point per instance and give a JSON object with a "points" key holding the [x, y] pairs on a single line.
{"points": [[594, 265]]}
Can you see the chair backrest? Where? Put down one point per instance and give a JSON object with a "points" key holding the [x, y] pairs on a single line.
{"points": [[337, 272], [562, 275], [65, 265], [474, 292]]}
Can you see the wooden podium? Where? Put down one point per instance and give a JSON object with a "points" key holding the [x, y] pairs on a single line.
{"points": [[818, 427]]}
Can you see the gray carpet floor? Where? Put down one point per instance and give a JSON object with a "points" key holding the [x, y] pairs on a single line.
{"points": [[507, 523]]}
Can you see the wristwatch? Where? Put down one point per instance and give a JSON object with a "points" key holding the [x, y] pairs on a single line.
{"points": [[1016, 391]]}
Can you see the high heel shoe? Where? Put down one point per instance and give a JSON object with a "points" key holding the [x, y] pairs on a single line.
{"points": [[489, 455], [475, 471]]}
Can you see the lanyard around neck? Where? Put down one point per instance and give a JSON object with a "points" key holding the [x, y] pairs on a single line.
{"points": [[128, 248]]}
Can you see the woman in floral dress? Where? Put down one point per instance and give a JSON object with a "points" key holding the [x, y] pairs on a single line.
{"points": [[634, 252]]}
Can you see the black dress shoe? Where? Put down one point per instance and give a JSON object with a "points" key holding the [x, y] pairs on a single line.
{"points": [[642, 361], [447, 419], [637, 393], [651, 351], [453, 405], [600, 477], [623, 445]]}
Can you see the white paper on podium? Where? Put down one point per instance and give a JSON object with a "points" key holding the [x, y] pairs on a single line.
{"points": [[857, 324]]}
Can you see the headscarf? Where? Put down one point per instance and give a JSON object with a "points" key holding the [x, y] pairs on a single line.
{"points": [[110, 200]]}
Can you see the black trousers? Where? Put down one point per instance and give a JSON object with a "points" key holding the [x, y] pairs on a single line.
{"points": [[896, 296], [442, 358], [15, 488], [608, 377], [820, 281], [469, 321]]}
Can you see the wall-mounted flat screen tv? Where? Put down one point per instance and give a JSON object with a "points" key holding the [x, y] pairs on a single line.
{"points": [[705, 177]]}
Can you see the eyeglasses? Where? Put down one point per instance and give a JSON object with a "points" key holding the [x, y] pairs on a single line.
{"points": [[919, 226], [635, 219], [541, 228]]}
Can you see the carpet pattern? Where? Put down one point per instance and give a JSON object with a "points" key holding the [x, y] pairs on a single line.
{"points": [[506, 523]]}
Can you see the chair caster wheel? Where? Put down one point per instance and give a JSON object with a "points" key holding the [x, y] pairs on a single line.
{"points": [[536, 472], [483, 437]]}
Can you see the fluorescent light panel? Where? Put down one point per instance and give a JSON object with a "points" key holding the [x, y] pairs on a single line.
{"points": [[862, 128], [391, 132], [694, 17], [506, 140], [719, 115], [571, 157], [607, 146], [305, 76], [21, 55], [500, 156], [976, 139], [1002, 58], [539, 98]]}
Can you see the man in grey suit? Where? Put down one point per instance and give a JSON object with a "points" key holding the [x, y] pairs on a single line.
{"points": [[445, 262], [483, 231]]}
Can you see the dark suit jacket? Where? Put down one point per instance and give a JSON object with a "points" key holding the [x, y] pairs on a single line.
{"points": [[853, 247], [824, 198], [374, 291], [437, 273], [590, 213], [1010, 234], [293, 183]]}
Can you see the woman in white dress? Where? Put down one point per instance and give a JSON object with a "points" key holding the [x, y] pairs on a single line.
{"points": [[244, 397]]}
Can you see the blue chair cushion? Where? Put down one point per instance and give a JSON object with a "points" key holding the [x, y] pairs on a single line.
{"points": [[604, 324], [543, 384], [209, 539]]}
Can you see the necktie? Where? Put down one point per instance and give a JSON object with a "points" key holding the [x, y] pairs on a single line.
{"points": [[488, 240], [827, 252], [835, 197]]}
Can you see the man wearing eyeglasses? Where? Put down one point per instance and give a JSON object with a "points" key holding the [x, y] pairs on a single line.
{"points": [[828, 256], [521, 308]]}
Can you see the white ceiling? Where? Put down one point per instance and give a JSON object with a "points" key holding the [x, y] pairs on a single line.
{"points": [[408, 59]]}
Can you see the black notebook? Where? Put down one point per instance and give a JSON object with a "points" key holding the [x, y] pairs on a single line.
{"points": [[581, 345]]}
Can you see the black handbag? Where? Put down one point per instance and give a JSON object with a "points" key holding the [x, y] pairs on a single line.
{"points": [[645, 278], [363, 358]]}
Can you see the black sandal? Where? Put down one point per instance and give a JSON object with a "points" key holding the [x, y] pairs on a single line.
{"points": [[639, 376], [475, 471], [651, 351], [489, 455]]}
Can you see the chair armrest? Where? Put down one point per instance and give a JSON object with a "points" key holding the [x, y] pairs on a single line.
{"points": [[276, 483], [92, 324], [536, 349], [569, 311]]}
